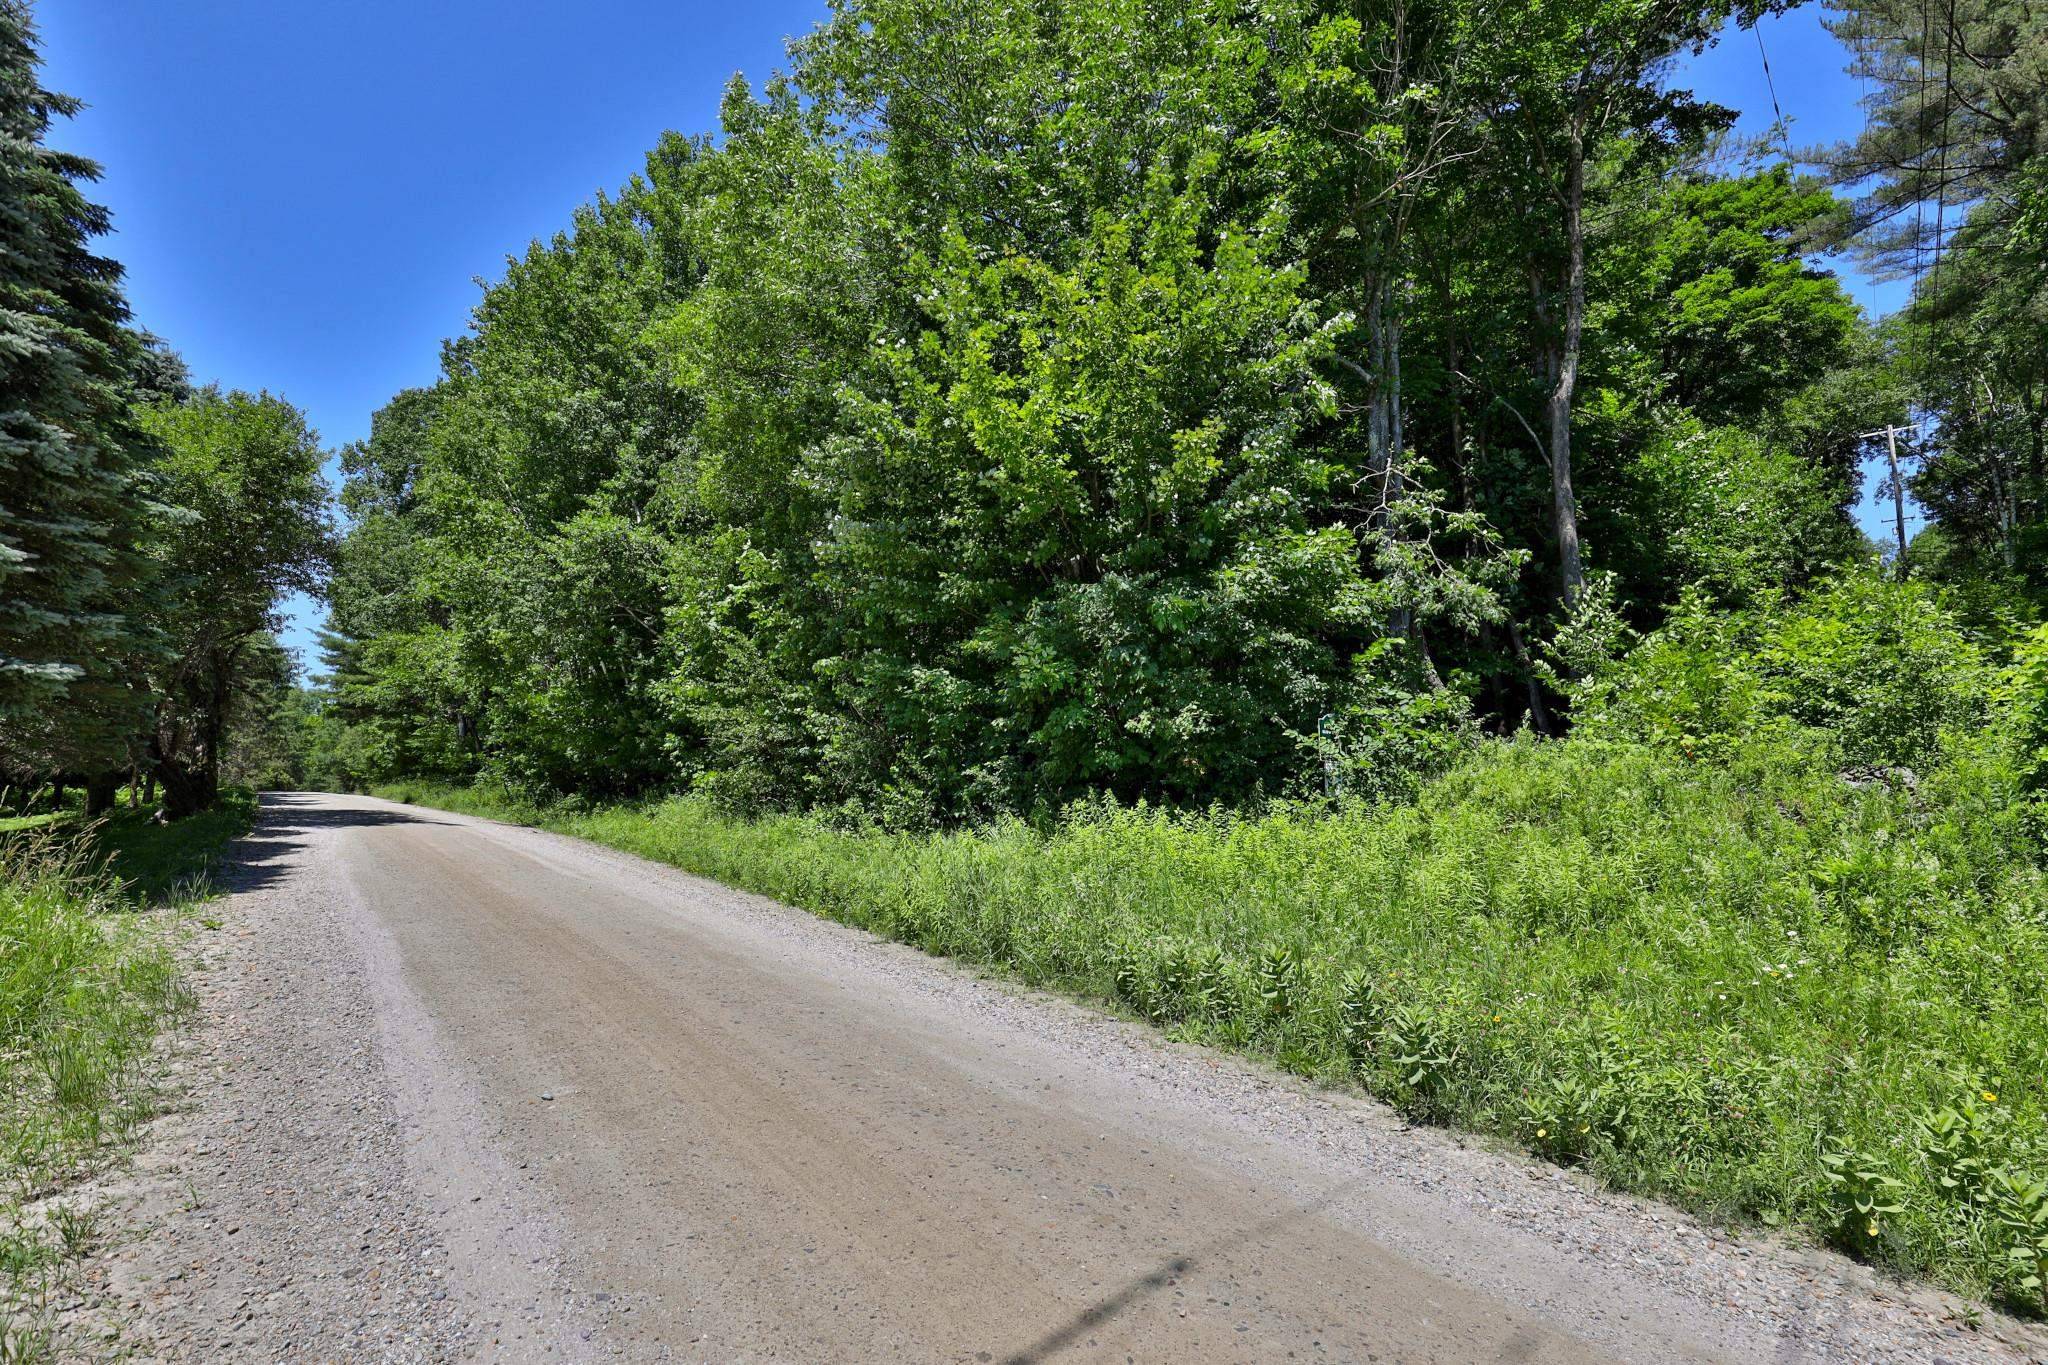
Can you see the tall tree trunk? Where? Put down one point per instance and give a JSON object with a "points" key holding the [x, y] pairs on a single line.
{"points": [[1397, 433], [1563, 505], [2037, 455], [1378, 438], [1384, 430], [1539, 714], [185, 789], [190, 787], [100, 789]]}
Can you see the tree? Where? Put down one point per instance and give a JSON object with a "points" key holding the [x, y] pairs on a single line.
{"points": [[247, 524], [1576, 92], [1025, 402], [1952, 192], [71, 500], [499, 600]]}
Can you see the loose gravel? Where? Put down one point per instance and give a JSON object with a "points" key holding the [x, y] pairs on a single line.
{"points": [[288, 1209]]}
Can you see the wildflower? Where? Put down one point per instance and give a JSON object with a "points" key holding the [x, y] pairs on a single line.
{"points": [[1990, 1096]]}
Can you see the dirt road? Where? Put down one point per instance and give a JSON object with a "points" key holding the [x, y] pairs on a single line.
{"points": [[473, 1091]]}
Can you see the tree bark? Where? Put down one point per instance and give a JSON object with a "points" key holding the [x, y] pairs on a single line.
{"points": [[1539, 714], [100, 789], [2037, 454], [187, 789], [1563, 504]]}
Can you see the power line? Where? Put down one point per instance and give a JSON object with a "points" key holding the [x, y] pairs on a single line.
{"points": [[1920, 79], [1784, 128]]}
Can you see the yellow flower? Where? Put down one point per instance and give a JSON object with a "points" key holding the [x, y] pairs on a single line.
{"points": [[1873, 1227], [1542, 1132], [1990, 1096]]}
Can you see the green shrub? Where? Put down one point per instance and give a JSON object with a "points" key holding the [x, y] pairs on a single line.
{"points": [[1721, 508], [2024, 693], [1878, 666]]}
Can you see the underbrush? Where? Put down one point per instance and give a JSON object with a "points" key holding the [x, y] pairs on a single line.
{"points": [[156, 862], [1753, 987], [87, 982]]}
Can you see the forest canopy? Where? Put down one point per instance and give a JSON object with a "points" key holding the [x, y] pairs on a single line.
{"points": [[1181, 401]]}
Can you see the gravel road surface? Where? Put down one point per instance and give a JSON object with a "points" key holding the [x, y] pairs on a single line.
{"points": [[469, 1091]]}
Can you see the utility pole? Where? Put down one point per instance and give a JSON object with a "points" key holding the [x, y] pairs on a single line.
{"points": [[1891, 446]]}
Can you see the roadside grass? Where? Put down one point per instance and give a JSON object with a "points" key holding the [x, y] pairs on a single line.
{"points": [[152, 862], [171, 862], [1752, 989], [88, 980]]}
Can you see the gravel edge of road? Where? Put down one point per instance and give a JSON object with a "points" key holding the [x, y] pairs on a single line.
{"points": [[297, 1199]]}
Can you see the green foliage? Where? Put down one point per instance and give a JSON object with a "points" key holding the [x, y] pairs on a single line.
{"points": [[937, 449], [1972, 344], [499, 600], [1696, 980], [1722, 510], [1959, 1142], [247, 523], [2020, 1204], [2024, 691], [270, 728], [1864, 1198], [1879, 667], [1738, 319], [85, 986], [72, 498]]}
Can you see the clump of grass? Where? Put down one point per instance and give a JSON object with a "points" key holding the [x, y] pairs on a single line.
{"points": [[86, 984], [26, 1343], [1750, 987]]}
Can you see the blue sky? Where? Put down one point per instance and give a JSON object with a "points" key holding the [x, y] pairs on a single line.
{"points": [[304, 194]]}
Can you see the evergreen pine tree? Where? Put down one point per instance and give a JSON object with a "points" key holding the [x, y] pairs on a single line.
{"points": [[70, 502]]}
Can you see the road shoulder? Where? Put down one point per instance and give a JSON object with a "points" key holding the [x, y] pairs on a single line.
{"points": [[303, 1197]]}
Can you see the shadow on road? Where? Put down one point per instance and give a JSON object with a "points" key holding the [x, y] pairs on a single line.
{"points": [[1522, 1347], [299, 812], [1102, 1310], [258, 858]]}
